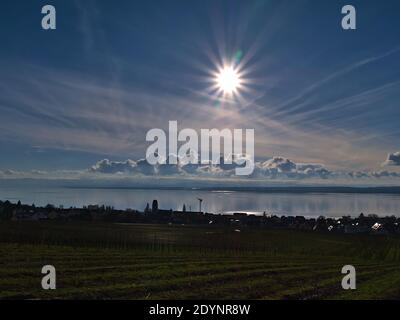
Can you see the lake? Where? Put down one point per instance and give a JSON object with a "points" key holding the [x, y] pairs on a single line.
{"points": [[307, 204]]}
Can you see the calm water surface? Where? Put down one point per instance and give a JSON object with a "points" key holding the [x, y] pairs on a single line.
{"points": [[216, 202]]}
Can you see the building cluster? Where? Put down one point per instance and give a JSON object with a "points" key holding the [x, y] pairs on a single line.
{"points": [[363, 224]]}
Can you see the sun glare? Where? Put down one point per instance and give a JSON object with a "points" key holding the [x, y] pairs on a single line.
{"points": [[228, 80]]}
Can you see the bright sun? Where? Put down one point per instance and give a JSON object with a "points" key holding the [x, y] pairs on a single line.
{"points": [[228, 80]]}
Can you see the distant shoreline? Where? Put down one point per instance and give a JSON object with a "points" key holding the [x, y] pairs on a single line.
{"points": [[284, 190]]}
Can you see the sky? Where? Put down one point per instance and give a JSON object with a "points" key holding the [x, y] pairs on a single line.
{"points": [[91, 89]]}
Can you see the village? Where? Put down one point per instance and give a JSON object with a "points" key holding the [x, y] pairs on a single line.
{"points": [[363, 224]]}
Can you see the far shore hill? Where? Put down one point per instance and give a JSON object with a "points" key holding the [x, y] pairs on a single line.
{"points": [[200, 185], [282, 189]]}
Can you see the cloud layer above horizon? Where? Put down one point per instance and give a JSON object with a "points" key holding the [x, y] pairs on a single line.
{"points": [[274, 169]]}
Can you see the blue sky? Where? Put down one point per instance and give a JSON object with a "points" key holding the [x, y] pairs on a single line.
{"points": [[113, 70]]}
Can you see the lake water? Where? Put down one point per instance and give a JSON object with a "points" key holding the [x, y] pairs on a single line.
{"points": [[307, 204]]}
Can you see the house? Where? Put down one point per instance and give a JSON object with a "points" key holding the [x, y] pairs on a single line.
{"points": [[378, 229]]}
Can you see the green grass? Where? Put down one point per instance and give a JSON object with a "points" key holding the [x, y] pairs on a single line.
{"points": [[115, 261]]}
